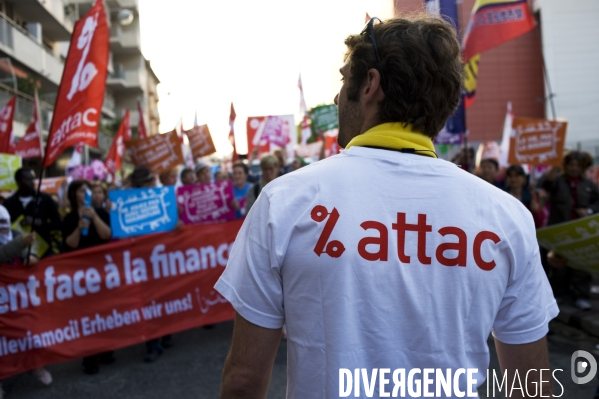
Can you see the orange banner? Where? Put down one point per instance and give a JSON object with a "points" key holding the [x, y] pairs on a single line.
{"points": [[112, 296], [537, 141], [200, 141], [160, 152], [51, 185]]}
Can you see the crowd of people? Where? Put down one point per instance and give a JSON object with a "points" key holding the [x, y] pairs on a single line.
{"points": [[68, 224], [65, 223], [560, 195]]}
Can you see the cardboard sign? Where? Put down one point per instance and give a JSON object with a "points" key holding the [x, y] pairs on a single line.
{"points": [[39, 246], [268, 133], [160, 152], [576, 240], [203, 203], [324, 118], [537, 141], [51, 185], [112, 296], [488, 150], [9, 164], [142, 211], [200, 141]]}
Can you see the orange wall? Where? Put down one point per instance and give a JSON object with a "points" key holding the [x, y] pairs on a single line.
{"points": [[510, 72]]}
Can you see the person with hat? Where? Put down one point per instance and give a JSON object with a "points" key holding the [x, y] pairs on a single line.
{"points": [[203, 173], [387, 259]]}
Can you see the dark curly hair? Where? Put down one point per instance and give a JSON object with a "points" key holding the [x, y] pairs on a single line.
{"points": [[422, 68]]}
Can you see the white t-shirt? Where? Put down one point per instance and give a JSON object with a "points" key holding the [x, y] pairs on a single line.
{"points": [[396, 307]]}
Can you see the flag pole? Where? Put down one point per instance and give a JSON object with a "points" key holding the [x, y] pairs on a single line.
{"points": [[465, 142], [550, 94]]}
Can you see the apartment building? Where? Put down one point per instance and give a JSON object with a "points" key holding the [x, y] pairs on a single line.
{"points": [[34, 40]]}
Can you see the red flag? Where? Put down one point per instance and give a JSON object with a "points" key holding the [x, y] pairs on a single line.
{"points": [[7, 114], [30, 146], [81, 92], [367, 18], [303, 108], [142, 132], [493, 22], [117, 149], [232, 117]]}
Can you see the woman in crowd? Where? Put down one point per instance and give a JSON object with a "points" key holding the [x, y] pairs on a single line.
{"points": [[516, 184], [85, 227], [269, 165], [571, 196], [169, 177], [13, 251], [240, 188], [100, 196]]}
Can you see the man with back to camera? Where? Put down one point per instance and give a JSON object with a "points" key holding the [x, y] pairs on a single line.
{"points": [[387, 257]]}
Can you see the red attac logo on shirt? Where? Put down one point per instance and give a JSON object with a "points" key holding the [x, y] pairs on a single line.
{"points": [[117, 149], [456, 246], [6, 117], [81, 93]]}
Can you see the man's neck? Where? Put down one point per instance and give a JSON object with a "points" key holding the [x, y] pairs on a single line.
{"points": [[24, 193], [240, 186]]}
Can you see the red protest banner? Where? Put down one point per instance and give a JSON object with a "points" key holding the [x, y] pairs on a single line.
{"points": [[159, 152], [7, 114], [81, 92], [142, 132], [111, 296], [200, 141], [537, 141], [117, 149], [30, 146]]}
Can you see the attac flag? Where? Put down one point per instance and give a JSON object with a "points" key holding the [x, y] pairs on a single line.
{"points": [[81, 92], [30, 146], [117, 149], [142, 132], [493, 22], [7, 114], [232, 116]]}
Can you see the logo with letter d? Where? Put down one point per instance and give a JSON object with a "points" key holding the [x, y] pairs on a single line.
{"points": [[581, 366]]}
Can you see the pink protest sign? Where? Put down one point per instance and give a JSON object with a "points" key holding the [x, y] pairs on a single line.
{"points": [[209, 202]]}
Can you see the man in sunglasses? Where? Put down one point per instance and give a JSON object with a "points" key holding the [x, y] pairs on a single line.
{"points": [[388, 262]]}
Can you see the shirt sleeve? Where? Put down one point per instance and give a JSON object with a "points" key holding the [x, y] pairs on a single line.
{"points": [[527, 306], [252, 280]]}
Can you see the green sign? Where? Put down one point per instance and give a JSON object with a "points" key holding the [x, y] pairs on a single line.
{"points": [[324, 117], [8, 166], [577, 241]]}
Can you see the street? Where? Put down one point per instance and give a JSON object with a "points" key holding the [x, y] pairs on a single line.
{"points": [[192, 369]]}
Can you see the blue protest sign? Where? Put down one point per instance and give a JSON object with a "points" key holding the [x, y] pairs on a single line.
{"points": [[142, 210]]}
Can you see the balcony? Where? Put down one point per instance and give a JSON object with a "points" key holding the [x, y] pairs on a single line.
{"points": [[58, 21], [124, 40], [123, 79], [22, 46]]}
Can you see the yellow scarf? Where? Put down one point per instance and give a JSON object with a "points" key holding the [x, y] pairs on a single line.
{"points": [[395, 136]]}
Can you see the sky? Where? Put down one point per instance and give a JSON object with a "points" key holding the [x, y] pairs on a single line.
{"points": [[209, 53]]}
